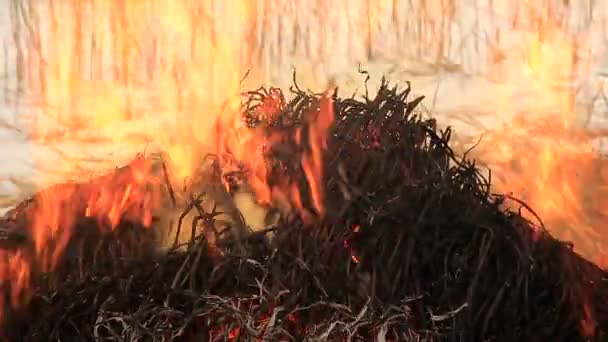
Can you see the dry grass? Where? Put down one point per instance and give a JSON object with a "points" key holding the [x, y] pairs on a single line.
{"points": [[118, 43]]}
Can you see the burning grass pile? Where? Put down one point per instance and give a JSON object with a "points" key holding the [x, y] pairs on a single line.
{"points": [[412, 245]]}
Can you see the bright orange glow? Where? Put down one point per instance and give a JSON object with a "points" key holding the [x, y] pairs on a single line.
{"points": [[241, 147], [540, 155], [164, 75], [164, 91], [119, 73], [127, 193], [160, 78], [313, 161]]}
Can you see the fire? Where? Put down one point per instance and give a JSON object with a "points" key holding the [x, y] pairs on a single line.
{"points": [[161, 78], [312, 163], [540, 155], [127, 193], [123, 75], [243, 148], [123, 194], [159, 73]]}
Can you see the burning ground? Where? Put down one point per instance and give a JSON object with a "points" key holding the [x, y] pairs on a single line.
{"points": [[380, 232]]}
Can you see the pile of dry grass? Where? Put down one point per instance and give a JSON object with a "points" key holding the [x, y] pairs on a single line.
{"points": [[414, 246]]}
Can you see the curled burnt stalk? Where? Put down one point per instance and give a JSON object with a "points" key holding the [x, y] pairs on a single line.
{"points": [[412, 246]]}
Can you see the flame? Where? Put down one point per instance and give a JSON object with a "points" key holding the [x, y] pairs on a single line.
{"points": [[540, 155], [53, 214], [135, 75], [161, 78], [117, 72], [159, 72], [312, 163], [245, 148]]}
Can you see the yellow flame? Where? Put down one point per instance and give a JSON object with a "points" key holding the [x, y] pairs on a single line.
{"points": [[539, 154], [157, 70]]}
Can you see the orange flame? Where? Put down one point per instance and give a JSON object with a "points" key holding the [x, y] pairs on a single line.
{"points": [[540, 155], [313, 161], [97, 85], [166, 89], [124, 194], [241, 147]]}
